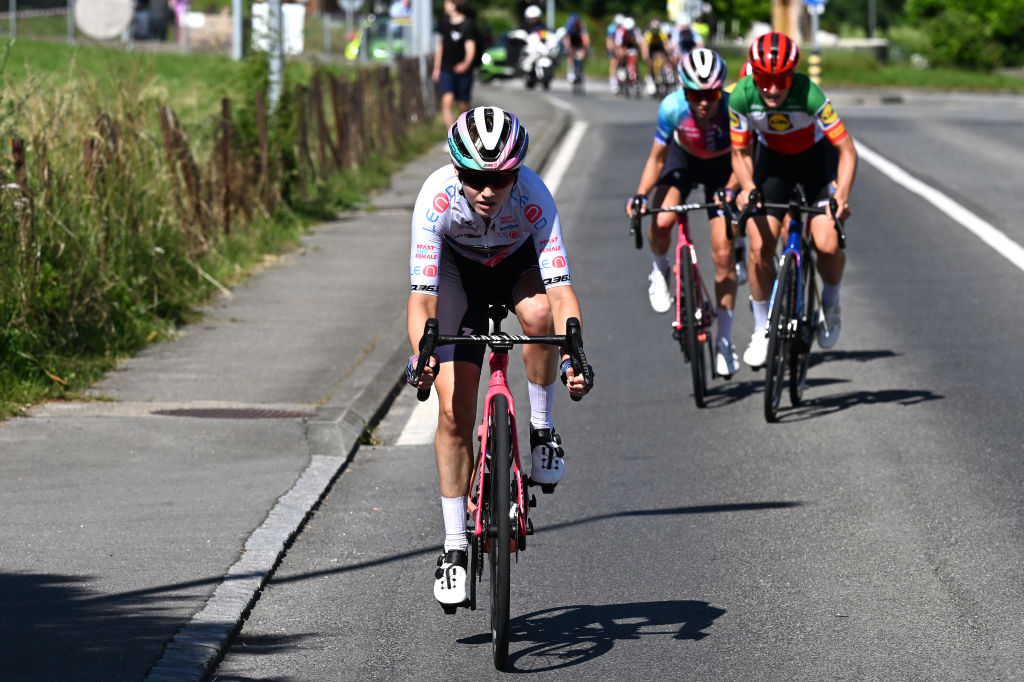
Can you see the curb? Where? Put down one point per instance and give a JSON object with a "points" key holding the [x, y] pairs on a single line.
{"points": [[195, 649]]}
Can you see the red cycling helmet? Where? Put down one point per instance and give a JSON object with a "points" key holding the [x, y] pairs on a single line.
{"points": [[773, 54]]}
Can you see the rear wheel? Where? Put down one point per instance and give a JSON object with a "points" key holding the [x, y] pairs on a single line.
{"points": [[499, 527], [693, 330], [779, 336]]}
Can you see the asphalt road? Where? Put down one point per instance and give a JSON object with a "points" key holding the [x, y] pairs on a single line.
{"points": [[874, 533]]}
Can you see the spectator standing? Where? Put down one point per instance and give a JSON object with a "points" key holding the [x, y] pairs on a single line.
{"points": [[454, 58]]}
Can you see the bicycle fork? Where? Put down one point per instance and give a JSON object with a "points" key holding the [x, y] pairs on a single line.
{"points": [[792, 249], [517, 513]]}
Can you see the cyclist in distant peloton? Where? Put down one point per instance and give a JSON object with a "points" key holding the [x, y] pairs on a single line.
{"points": [[691, 146], [485, 230], [804, 142], [576, 42], [629, 42], [656, 43], [609, 44]]}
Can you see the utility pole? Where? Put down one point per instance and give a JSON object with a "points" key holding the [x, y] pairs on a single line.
{"points": [[275, 21]]}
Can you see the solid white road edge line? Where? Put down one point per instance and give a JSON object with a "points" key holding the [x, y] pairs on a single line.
{"points": [[986, 232]]}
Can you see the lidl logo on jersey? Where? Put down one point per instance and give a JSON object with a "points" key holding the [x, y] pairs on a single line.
{"points": [[779, 122], [828, 114]]}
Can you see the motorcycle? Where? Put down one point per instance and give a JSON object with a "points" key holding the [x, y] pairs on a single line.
{"points": [[538, 55]]}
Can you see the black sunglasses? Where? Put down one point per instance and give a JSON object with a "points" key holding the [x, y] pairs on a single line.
{"points": [[494, 180]]}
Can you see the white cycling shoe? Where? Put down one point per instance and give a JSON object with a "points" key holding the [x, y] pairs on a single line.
{"points": [[828, 328], [757, 352], [450, 578], [661, 299], [547, 466], [727, 362]]}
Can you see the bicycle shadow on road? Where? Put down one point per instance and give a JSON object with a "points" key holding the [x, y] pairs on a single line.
{"points": [[734, 391], [560, 637], [813, 408]]}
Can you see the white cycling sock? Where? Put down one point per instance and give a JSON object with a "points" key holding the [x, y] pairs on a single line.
{"points": [[454, 510], [724, 325], [541, 400], [661, 264], [829, 295], [760, 314]]}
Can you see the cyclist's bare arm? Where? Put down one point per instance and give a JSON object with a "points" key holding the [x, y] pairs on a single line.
{"points": [[652, 171], [420, 308], [845, 172], [743, 172], [564, 305]]}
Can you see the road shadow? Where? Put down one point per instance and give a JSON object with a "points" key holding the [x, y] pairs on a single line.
{"points": [[432, 550], [561, 637], [57, 627], [815, 408]]}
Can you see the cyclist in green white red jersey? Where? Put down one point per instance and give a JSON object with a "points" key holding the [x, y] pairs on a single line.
{"points": [[691, 147], [804, 142]]}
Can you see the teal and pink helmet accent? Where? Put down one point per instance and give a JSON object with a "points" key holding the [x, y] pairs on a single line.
{"points": [[702, 69], [487, 139]]}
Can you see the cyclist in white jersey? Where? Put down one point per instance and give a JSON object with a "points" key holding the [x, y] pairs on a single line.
{"points": [[485, 230]]}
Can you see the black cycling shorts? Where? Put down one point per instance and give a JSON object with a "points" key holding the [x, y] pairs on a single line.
{"points": [[814, 169], [466, 288], [684, 170]]}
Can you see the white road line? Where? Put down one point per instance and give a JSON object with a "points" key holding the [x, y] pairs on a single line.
{"points": [[419, 430], [991, 235], [556, 170]]}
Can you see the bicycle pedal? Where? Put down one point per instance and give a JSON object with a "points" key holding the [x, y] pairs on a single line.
{"points": [[529, 526], [533, 500]]}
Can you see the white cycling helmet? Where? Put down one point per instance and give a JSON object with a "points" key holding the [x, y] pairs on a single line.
{"points": [[532, 12], [629, 23]]}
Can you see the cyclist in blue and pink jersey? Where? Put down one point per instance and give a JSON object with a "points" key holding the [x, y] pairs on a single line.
{"points": [[691, 146], [485, 230], [802, 141]]}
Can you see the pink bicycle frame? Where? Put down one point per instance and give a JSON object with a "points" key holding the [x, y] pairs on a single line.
{"points": [[498, 386], [683, 243]]}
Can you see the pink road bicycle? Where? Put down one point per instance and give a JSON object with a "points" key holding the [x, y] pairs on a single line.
{"points": [[499, 501], [695, 312]]}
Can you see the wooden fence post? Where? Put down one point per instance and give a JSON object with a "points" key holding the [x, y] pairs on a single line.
{"points": [[225, 161], [339, 100]]}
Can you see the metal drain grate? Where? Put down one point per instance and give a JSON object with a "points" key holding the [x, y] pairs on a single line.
{"points": [[231, 413]]}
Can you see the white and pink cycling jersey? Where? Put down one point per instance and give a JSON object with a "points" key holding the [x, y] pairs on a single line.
{"points": [[443, 216]]}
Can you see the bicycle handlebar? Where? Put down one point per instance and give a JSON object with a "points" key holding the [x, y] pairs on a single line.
{"points": [[634, 222], [795, 207], [571, 343]]}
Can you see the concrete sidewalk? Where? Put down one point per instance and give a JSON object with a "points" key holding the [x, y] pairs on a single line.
{"points": [[138, 530]]}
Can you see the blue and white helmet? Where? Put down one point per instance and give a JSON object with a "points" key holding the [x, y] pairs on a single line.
{"points": [[487, 139]]}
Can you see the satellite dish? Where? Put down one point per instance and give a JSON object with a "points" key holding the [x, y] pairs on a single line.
{"points": [[103, 19]]}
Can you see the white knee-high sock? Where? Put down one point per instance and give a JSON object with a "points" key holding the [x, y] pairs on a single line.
{"points": [[541, 400], [454, 510]]}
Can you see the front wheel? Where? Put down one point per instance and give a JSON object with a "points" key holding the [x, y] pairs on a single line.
{"points": [[499, 527], [800, 353], [693, 329], [779, 336]]}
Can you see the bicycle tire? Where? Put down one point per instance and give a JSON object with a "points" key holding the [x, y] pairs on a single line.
{"points": [[800, 352], [779, 337], [691, 331], [499, 526]]}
